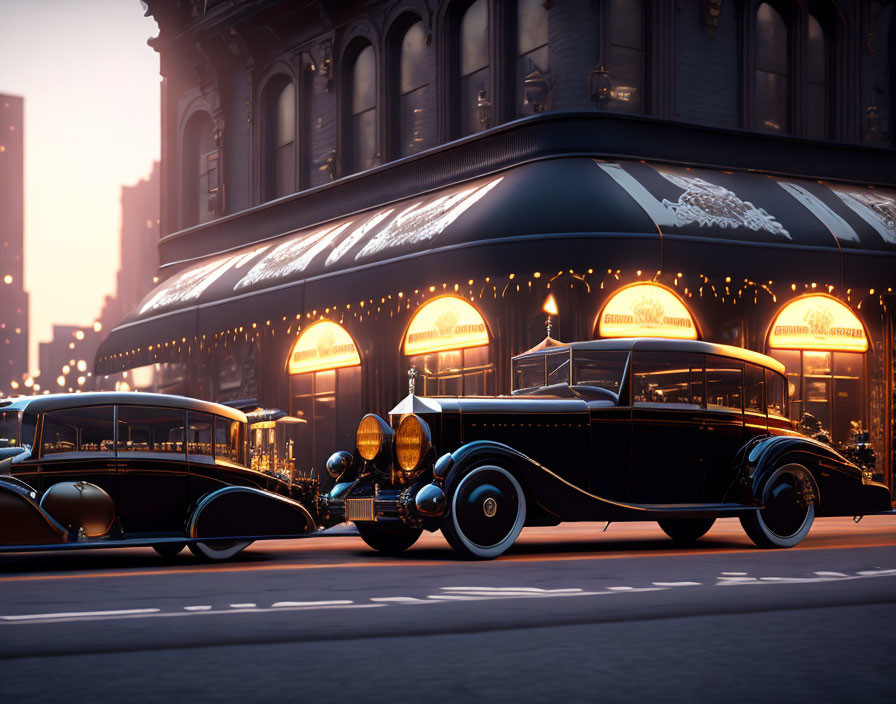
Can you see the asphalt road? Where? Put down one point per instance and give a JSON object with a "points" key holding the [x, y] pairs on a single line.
{"points": [[570, 614]]}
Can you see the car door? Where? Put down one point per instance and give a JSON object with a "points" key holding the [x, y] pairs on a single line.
{"points": [[152, 469], [200, 453], [724, 423], [668, 435], [77, 444]]}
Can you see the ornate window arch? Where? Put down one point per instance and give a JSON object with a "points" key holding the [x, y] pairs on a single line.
{"points": [[360, 102], [410, 68], [200, 169], [279, 136]]}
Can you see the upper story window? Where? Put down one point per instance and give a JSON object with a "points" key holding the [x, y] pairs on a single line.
{"points": [[280, 138], [772, 71], [201, 171], [818, 68], [362, 94], [531, 51], [414, 93], [624, 54], [474, 85]]}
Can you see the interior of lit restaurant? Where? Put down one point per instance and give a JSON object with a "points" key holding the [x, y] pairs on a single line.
{"points": [[326, 323]]}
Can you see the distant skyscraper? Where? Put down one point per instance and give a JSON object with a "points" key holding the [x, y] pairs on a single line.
{"points": [[13, 298]]}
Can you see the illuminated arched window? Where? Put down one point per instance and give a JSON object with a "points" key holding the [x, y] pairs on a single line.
{"points": [[447, 342], [325, 391], [821, 342], [646, 310]]}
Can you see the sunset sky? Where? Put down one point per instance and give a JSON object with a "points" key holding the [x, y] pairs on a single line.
{"points": [[91, 89]]}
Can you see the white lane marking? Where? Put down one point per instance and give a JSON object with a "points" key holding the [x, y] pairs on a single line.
{"points": [[534, 590], [79, 614], [676, 584], [831, 574], [735, 574], [876, 573], [620, 589], [243, 606], [294, 604], [402, 600], [156, 613], [197, 608]]}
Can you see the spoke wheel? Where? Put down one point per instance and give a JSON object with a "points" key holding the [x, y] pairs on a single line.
{"points": [[488, 511], [390, 539], [169, 550], [686, 530], [216, 550], [786, 517]]}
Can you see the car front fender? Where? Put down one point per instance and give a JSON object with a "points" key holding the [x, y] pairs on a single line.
{"points": [[242, 511]]}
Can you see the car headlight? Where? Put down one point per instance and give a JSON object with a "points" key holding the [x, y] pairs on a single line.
{"points": [[369, 438], [412, 442]]}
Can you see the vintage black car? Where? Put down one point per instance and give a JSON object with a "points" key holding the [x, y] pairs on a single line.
{"points": [[125, 469], [681, 432]]}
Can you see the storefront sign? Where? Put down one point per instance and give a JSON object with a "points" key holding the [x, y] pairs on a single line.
{"points": [[646, 310], [817, 322], [322, 346], [446, 323]]}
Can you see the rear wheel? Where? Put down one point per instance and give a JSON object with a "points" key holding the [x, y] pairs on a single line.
{"points": [[169, 550], [686, 530], [216, 550], [787, 516], [390, 539], [488, 511]]}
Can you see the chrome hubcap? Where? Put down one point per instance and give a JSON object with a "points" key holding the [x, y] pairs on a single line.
{"points": [[489, 507]]}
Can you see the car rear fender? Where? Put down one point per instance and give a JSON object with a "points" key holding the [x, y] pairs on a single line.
{"points": [[24, 522], [238, 511]]}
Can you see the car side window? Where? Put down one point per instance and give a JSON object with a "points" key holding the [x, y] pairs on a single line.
{"points": [[776, 393], [228, 439], [599, 368], [150, 429], [724, 383], [87, 429], [199, 433], [528, 372], [754, 381], [667, 377], [558, 367]]}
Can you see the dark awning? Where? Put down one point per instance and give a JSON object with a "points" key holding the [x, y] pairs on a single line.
{"points": [[544, 215]]}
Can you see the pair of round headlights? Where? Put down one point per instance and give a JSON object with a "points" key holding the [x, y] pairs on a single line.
{"points": [[412, 440]]}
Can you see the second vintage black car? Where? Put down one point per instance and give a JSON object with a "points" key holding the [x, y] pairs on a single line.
{"points": [[128, 469], [681, 432]]}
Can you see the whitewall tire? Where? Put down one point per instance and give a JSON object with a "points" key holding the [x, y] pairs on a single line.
{"points": [[786, 517], [217, 550]]}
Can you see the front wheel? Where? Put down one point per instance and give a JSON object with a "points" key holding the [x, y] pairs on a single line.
{"points": [[488, 510], [686, 530], [217, 550], [390, 539], [786, 517]]}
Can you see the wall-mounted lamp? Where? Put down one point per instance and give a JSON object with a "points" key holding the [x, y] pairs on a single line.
{"points": [[600, 86], [325, 68], [537, 90], [483, 109]]}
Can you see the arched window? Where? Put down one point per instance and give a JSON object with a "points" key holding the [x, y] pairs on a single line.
{"points": [[362, 110], [413, 132], [818, 69], [201, 171], [531, 46], [771, 71], [474, 81], [646, 310], [279, 138], [447, 342], [624, 53], [325, 392], [821, 343]]}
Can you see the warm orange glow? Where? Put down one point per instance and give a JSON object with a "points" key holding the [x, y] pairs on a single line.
{"points": [[445, 323], [817, 322], [550, 305], [323, 345], [646, 310]]}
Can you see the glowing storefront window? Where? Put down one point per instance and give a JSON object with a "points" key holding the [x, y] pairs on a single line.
{"points": [[817, 322], [646, 310], [446, 323], [322, 346]]}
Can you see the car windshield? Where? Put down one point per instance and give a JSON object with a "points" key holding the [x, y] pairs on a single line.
{"points": [[9, 428], [599, 369]]}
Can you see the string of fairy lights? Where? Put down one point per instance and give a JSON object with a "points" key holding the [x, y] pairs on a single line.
{"points": [[725, 290]]}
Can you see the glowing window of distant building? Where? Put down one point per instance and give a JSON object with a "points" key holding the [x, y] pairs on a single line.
{"points": [[646, 310]]}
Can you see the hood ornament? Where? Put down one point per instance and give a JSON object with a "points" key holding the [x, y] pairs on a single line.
{"points": [[412, 403]]}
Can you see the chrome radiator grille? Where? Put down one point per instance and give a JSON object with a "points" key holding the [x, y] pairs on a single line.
{"points": [[359, 510]]}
